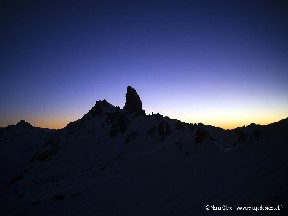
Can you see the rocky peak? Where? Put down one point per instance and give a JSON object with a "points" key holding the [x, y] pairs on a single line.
{"points": [[100, 107], [23, 123], [133, 102]]}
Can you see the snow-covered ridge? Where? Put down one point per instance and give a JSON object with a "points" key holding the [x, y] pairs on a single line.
{"points": [[117, 161]]}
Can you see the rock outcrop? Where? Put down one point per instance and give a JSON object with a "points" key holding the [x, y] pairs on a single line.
{"points": [[100, 107], [24, 124], [133, 102]]}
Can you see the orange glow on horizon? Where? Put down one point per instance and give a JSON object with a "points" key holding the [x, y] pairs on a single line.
{"points": [[222, 121]]}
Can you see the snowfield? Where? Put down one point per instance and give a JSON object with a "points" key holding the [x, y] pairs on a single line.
{"points": [[114, 162]]}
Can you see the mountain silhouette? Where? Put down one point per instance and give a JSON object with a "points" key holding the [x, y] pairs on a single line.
{"points": [[117, 161]]}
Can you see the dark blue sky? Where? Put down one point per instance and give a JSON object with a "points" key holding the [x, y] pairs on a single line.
{"points": [[223, 63]]}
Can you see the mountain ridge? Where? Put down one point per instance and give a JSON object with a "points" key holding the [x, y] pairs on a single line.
{"points": [[133, 104], [116, 161]]}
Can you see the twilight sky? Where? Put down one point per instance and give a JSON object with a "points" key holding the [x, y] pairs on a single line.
{"points": [[223, 63]]}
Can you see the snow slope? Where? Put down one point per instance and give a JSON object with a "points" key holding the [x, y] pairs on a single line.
{"points": [[111, 162]]}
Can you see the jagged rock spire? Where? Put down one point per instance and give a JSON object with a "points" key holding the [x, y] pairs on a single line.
{"points": [[133, 102]]}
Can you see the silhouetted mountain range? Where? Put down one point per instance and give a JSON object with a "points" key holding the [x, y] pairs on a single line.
{"points": [[116, 161]]}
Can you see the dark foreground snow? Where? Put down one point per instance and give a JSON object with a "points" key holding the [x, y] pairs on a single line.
{"points": [[112, 162]]}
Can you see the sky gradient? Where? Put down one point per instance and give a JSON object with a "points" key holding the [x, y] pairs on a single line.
{"points": [[221, 63]]}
